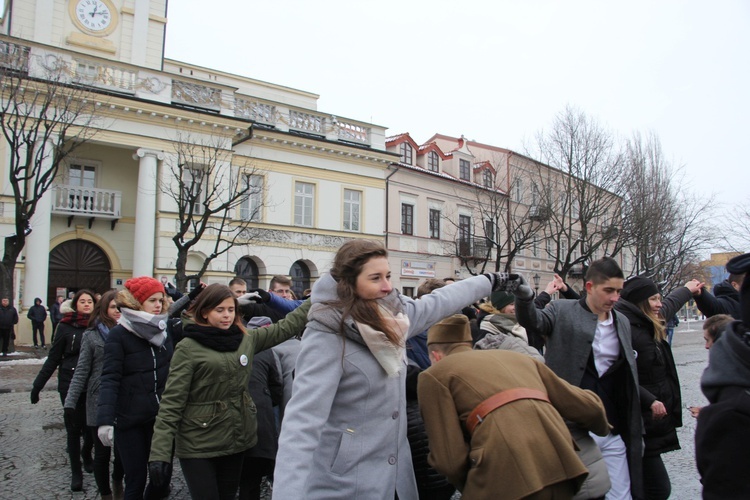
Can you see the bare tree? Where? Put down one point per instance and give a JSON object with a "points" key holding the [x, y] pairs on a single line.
{"points": [[216, 201], [43, 118], [735, 229], [666, 229], [578, 195]]}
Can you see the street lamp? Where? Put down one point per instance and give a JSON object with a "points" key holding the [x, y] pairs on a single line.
{"points": [[536, 279]]}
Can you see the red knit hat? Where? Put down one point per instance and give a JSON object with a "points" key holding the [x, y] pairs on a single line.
{"points": [[143, 287]]}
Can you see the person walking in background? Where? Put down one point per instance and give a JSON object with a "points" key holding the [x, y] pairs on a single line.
{"points": [[136, 364], [63, 357], [661, 403], [206, 410], [344, 431], [87, 381], [281, 286], [672, 323], [8, 320], [37, 314], [55, 315]]}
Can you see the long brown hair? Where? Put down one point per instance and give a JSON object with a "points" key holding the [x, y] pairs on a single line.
{"points": [[347, 266], [660, 330], [101, 310], [210, 297]]}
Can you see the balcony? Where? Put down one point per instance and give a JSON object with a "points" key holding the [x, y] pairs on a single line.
{"points": [[576, 270], [93, 203], [473, 248], [14, 57], [539, 212]]}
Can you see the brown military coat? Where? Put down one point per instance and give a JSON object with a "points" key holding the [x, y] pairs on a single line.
{"points": [[521, 447]]}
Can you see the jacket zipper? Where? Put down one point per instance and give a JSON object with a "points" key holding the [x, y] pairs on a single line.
{"points": [[156, 381]]}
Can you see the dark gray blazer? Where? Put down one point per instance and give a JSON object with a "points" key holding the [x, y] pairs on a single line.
{"points": [[569, 330]]}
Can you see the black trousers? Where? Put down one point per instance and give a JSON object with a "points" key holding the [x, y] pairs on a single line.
{"points": [[5, 334], [656, 484], [101, 464], [254, 469], [75, 428], [215, 478], [37, 326], [134, 445]]}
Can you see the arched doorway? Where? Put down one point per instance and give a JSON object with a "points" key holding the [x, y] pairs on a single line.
{"points": [[300, 274], [77, 264], [247, 269]]}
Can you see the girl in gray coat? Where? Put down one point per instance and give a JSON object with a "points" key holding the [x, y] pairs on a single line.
{"points": [[344, 430], [87, 377]]}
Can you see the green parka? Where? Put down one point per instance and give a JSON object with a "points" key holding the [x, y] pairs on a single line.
{"points": [[206, 408]]}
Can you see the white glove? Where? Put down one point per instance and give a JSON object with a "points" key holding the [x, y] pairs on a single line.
{"points": [[248, 298], [106, 435]]}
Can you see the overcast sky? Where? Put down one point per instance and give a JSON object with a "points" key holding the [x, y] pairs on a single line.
{"points": [[498, 71]]}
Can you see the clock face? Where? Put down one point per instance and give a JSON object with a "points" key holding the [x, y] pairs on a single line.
{"points": [[94, 15]]}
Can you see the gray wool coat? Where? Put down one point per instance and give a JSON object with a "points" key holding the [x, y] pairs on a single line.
{"points": [[344, 430], [88, 373], [569, 330]]}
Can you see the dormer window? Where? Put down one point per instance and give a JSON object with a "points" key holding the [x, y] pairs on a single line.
{"points": [[487, 179], [406, 153], [433, 164], [464, 170]]}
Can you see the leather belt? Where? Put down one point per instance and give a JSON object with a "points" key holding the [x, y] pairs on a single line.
{"points": [[492, 403]]}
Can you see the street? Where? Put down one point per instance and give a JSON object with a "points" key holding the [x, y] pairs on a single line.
{"points": [[33, 463]]}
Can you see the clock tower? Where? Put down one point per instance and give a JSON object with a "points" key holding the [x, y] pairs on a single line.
{"points": [[128, 31]]}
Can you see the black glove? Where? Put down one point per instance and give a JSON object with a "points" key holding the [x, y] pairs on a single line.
{"points": [[159, 474], [196, 291], [499, 280], [34, 395], [70, 414], [264, 295]]}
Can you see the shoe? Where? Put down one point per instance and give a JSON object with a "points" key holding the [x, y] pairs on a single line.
{"points": [[44, 346], [88, 463], [76, 483], [36, 346]]}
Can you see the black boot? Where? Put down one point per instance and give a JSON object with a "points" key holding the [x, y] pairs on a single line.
{"points": [[76, 482], [88, 462]]}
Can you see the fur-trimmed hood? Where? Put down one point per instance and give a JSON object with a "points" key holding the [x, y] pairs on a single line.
{"points": [[67, 307]]}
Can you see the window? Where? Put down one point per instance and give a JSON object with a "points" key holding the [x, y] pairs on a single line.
{"points": [[408, 291], [352, 204], [519, 241], [534, 194], [464, 235], [247, 269], [489, 230], [251, 205], [434, 224], [574, 213], [300, 275], [550, 247], [82, 175], [535, 246], [194, 188], [304, 196], [407, 218], [433, 162], [517, 191], [406, 152], [464, 170], [487, 179]]}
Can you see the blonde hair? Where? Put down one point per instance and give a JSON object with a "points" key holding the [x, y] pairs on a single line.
{"points": [[660, 330]]}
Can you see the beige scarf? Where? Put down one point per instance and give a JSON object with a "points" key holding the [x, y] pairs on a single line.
{"points": [[390, 356]]}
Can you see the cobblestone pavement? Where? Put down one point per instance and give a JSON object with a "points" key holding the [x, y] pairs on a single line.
{"points": [[34, 465]]}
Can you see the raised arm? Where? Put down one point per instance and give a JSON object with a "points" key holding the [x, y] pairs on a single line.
{"points": [[292, 324]]}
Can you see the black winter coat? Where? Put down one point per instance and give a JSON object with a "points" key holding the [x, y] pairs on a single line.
{"points": [[725, 300], [427, 478], [267, 391], [8, 317], [37, 313], [63, 356], [657, 374], [133, 378]]}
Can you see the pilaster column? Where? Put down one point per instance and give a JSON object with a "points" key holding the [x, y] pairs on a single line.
{"points": [[36, 270], [145, 212]]}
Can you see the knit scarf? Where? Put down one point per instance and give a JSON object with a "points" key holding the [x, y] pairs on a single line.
{"points": [[103, 331], [76, 319], [389, 355], [150, 327], [214, 338]]}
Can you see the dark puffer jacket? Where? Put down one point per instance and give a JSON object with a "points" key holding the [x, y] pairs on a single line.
{"points": [[428, 479], [133, 378], [63, 355], [657, 373]]}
